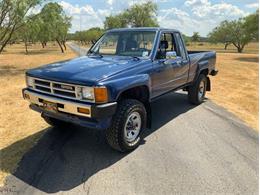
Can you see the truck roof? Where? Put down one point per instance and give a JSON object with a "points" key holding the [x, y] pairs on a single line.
{"points": [[142, 29]]}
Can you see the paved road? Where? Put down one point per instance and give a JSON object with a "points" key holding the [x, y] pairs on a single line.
{"points": [[189, 150]]}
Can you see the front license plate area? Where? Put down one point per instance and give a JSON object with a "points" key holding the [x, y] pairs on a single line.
{"points": [[50, 106]]}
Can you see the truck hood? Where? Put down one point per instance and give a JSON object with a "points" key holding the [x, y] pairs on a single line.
{"points": [[84, 70]]}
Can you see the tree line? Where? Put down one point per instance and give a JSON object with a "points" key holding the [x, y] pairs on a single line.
{"points": [[237, 32], [138, 15], [86, 36], [52, 24], [16, 24]]}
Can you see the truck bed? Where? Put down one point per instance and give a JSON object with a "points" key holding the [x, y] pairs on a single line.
{"points": [[201, 59]]}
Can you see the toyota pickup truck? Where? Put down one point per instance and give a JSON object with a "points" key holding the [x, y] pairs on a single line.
{"points": [[113, 85]]}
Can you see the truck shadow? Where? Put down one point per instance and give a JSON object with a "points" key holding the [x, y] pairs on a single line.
{"points": [[65, 158]]}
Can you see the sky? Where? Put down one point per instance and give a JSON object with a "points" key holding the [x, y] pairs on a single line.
{"points": [[188, 16]]}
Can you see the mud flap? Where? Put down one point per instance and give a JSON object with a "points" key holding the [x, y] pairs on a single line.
{"points": [[208, 88]]}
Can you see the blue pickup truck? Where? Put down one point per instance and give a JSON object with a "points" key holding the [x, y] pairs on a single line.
{"points": [[112, 87]]}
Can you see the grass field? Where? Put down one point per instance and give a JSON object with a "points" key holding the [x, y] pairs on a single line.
{"points": [[17, 120], [251, 48], [236, 85], [235, 88]]}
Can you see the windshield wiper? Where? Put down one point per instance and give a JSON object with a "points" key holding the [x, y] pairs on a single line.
{"points": [[135, 57], [95, 54]]}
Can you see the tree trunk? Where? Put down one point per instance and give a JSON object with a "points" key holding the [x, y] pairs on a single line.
{"points": [[5, 43], [64, 45], [226, 45], [239, 47], [61, 48], [25, 44], [42, 45]]}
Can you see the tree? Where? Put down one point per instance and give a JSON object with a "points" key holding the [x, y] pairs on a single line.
{"points": [[139, 15], [29, 32], [219, 34], [87, 36], [12, 17], [93, 34], [186, 39], [143, 15], [117, 21], [252, 25], [195, 37], [237, 32], [55, 24]]}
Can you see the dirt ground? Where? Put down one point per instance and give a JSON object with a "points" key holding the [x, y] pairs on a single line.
{"points": [[236, 85], [17, 120], [235, 88]]}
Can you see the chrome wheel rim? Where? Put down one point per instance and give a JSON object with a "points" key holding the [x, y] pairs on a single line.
{"points": [[132, 126], [201, 90]]}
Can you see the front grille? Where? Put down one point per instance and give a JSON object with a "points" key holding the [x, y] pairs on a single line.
{"points": [[47, 89], [55, 88]]}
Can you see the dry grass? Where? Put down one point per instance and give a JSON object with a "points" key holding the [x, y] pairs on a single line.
{"points": [[219, 48], [17, 120], [235, 88], [236, 85]]}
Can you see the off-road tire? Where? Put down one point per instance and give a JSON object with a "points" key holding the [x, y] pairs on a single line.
{"points": [[115, 133], [193, 90]]}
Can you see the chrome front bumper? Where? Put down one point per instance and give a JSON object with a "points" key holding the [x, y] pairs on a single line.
{"points": [[65, 106]]}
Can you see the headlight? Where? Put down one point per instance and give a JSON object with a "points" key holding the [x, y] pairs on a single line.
{"points": [[95, 94], [88, 93], [29, 81]]}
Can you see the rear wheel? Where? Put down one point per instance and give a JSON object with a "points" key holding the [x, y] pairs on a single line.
{"points": [[196, 92], [127, 126]]}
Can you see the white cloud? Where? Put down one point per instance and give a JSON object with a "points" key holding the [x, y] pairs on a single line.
{"points": [[204, 8], [84, 17], [195, 15], [110, 2], [252, 5], [34, 10], [208, 15], [177, 19]]}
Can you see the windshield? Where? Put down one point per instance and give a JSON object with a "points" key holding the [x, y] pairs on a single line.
{"points": [[125, 43]]}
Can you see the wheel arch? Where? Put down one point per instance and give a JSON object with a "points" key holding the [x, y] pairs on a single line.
{"points": [[140, 93]]}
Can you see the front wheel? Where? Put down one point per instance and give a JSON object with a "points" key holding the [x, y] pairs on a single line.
{"points": [[196, 92], [127, 126]]}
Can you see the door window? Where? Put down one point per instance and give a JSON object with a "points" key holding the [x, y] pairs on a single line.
{"points": [[167, 43]]}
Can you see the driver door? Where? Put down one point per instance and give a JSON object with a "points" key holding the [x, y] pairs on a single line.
{"points": [[163, 69]]}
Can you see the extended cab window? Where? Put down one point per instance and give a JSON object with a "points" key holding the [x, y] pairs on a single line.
{"points": [[181, 50]]}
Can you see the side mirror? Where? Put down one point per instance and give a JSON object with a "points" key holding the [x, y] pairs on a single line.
{"points": [[171, 55]]}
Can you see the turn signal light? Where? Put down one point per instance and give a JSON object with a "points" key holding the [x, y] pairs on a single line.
{"points": [[84, 110], [101, 95]]}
